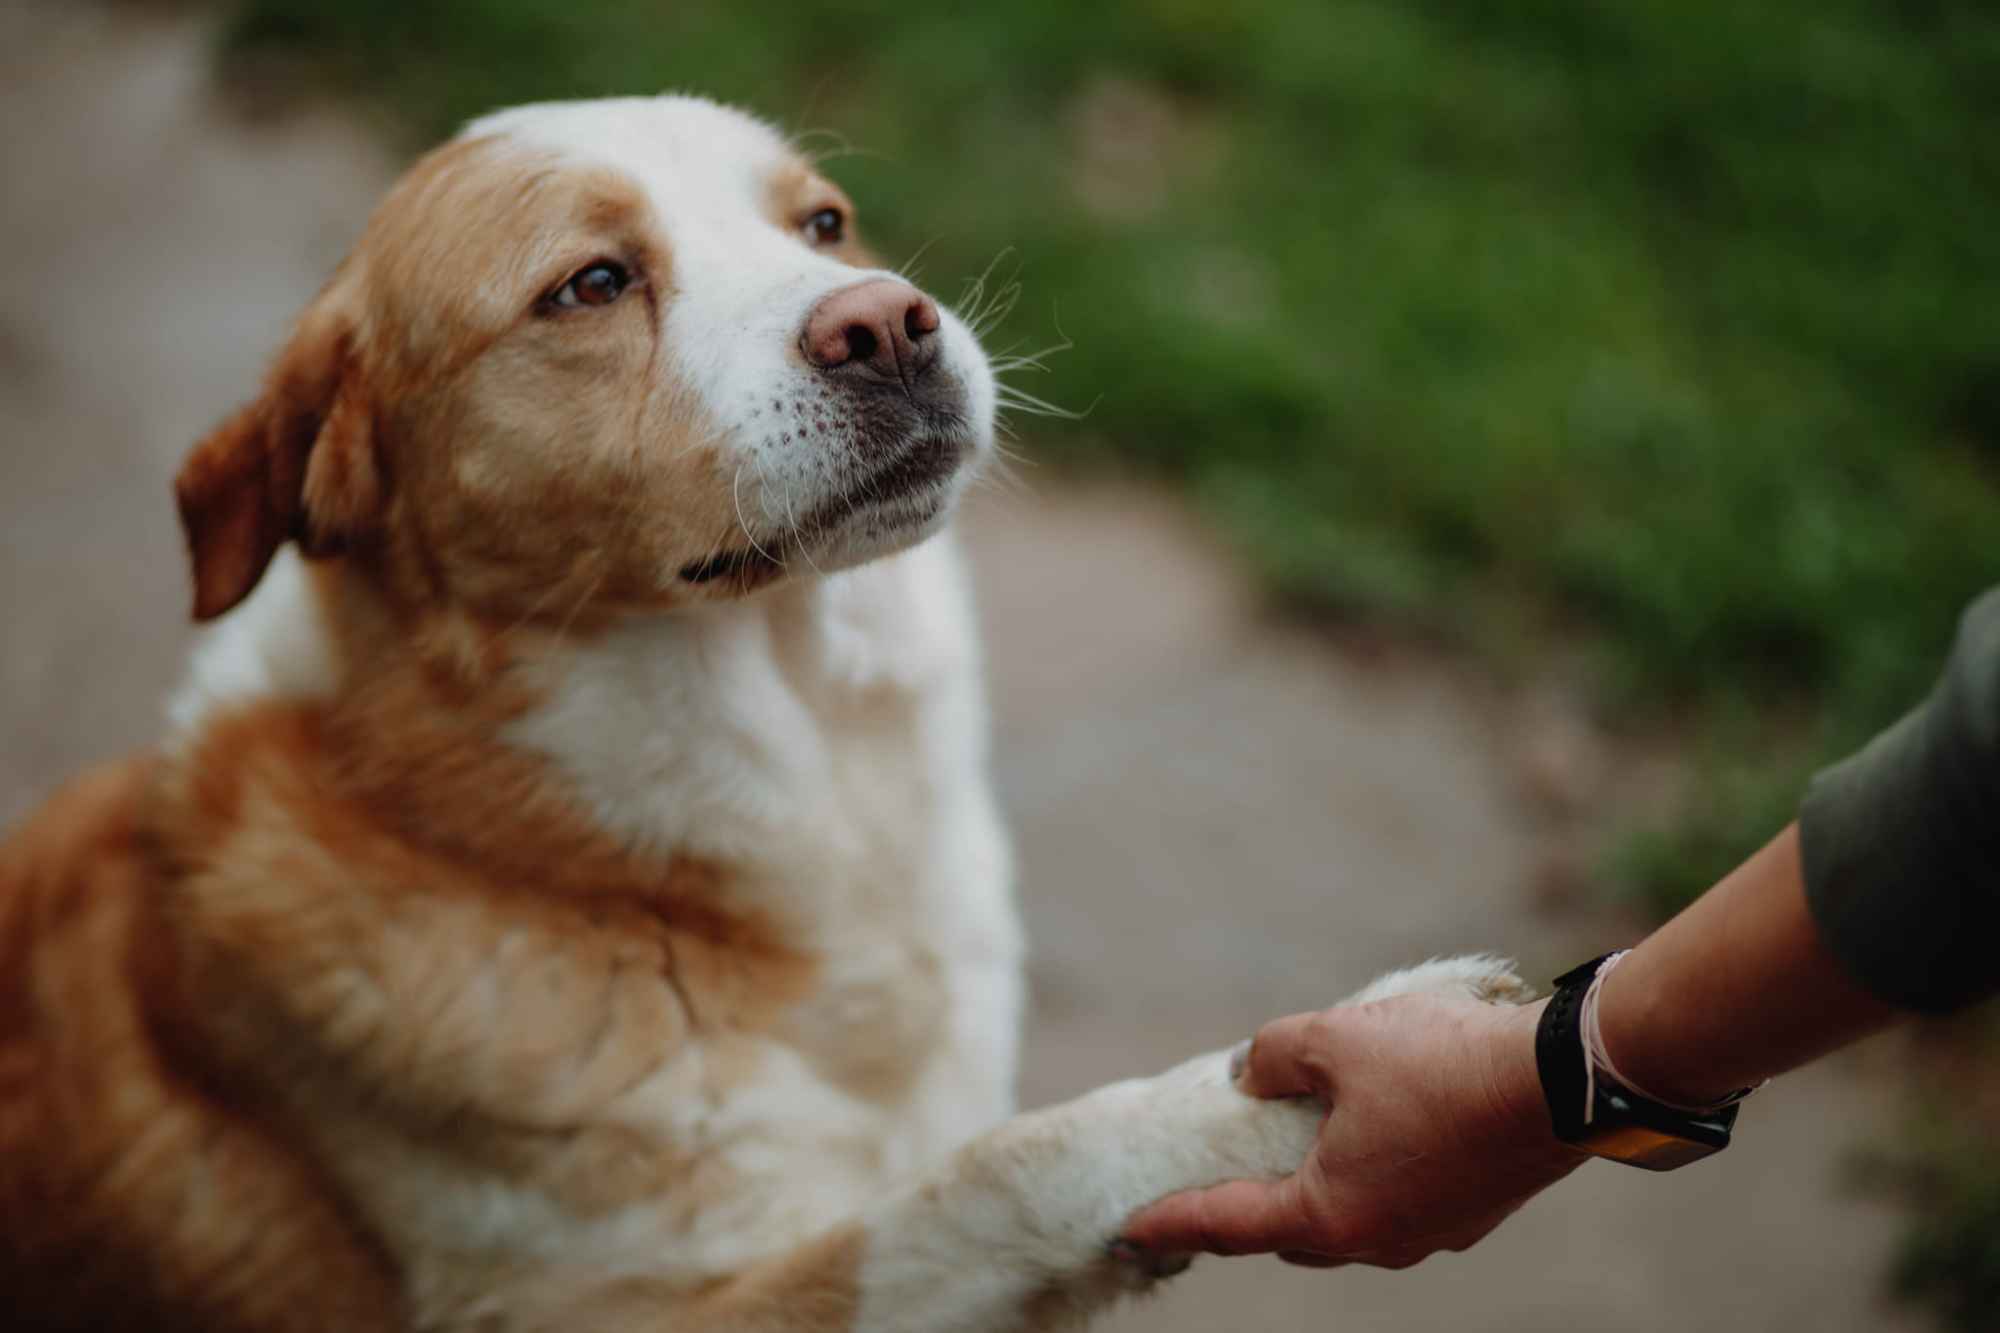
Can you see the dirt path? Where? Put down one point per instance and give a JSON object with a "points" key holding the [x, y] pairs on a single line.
{"points": [[1219, 820]]}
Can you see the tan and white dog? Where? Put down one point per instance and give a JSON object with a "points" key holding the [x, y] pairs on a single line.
{"points": [[570, 895]]}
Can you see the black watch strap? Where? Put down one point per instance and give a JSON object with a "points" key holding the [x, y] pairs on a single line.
{"points": [[1596, 1113]]}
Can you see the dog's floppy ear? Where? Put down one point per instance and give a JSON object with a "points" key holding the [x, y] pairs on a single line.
{"points": [[299, 462]]}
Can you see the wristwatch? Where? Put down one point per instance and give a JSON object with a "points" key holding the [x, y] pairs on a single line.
{"points": [[1596, 1112]]}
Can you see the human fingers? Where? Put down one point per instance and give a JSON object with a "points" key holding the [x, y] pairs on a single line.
{"points": [[1397, 1257], [1285, 1059], [1241, 1217], [1408, 1251]]}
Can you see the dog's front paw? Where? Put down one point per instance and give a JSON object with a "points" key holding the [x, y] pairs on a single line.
{"points": [[1478, 976], [1188, 1128], [1224, 1133]]}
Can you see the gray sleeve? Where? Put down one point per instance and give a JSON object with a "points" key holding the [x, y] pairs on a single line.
{"points": [[1901, 841]]}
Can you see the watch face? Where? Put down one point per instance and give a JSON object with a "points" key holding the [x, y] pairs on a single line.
{"points": [[1652, 1149]]}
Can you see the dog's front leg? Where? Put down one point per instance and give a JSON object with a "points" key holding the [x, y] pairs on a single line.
{"points": [[1016, 1232]]}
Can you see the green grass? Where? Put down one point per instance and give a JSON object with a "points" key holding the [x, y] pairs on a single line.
{"points": [[1670, 327]]}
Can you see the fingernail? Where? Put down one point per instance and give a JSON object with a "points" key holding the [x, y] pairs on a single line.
{"points": [[1239, 1059], [1126, 1251]]}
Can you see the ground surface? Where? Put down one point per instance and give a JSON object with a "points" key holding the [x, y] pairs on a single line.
{"points": [[1219, 819]]}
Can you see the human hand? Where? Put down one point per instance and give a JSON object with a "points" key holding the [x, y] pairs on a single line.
{"points": [[1437, 1132]]}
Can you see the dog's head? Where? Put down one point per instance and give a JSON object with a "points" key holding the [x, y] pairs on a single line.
{"points": [[628, 353]]}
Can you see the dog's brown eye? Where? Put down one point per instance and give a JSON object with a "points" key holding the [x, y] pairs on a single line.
{"points": [[826, 227], [600, 284]]}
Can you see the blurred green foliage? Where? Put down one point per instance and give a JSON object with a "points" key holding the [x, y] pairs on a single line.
{"points": [[1671, 327], [1944, 1168], [1949, 1259]]}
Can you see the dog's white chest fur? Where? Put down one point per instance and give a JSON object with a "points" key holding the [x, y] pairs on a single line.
{"points": [[832, 737]]}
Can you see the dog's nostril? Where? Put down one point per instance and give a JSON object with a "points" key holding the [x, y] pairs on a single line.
{"points": [[921, 318], [861, 342]]}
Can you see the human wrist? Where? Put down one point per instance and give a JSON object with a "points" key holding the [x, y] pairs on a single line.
{"points": [[1521, 1107], [1631, 1005]]}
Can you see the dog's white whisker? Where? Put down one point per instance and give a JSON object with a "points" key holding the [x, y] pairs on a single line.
{"points": [[908, 269], [736, 498], [799, 542], [1007, 362], [997, 309], [576, 607], [1019, 401], [975, 294]]}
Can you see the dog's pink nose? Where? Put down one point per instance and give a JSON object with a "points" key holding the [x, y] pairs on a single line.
{"points": [[881, 328]]}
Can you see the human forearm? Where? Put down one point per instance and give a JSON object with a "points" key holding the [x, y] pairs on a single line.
{"points": [[1738, 987], [1881, 899]]}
